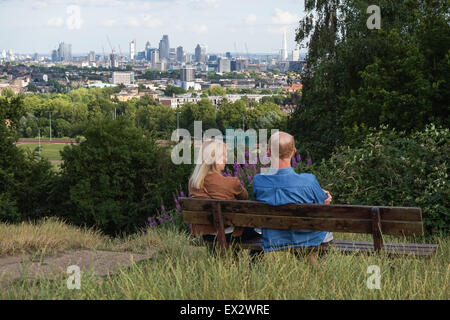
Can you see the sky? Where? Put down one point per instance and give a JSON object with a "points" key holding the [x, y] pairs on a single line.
{"points": [[29, 26]]}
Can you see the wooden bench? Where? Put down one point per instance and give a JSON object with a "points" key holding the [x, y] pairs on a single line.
{"points": [[377, 221]]}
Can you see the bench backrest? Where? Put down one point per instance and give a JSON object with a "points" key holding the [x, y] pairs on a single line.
{"points": [[333, 218]]}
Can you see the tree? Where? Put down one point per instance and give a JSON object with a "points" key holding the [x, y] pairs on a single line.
{"points": [[116, 179], [356, 78], [172, 90], [217, 91]]}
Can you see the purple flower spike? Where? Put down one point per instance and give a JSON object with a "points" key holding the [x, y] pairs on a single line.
{"points": [[299, 158], [163, 209], [161, 220], [309, 161]]}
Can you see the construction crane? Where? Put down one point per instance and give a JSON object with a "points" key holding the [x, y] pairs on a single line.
{"points": [[246, 50], [110, 45]]}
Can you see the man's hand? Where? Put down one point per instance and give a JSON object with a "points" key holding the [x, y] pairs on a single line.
{"points": [[329, 197]]}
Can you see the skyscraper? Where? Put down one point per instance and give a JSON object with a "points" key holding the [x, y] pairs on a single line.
{"points": [[284, 53], [64, 52], [148, 47], [180, 54], [133, 50], [296, 54], [164, 48], [200, 53]]}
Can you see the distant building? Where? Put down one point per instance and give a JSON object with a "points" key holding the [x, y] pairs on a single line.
{"points": [[224, 65], [133, 50], [187, 74], [64, 52], [114, 60], [164, 48], [148, 49], [296, 54], [284, 53], [180, 54], [295, 87], [200, 53], [54, 56], [91, 57], [154, 56], [125, 78]]}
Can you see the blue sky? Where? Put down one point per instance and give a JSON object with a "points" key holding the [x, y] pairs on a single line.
{"points": [[39, 25]]}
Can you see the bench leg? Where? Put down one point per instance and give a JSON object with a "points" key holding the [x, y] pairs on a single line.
{"points": [[376, 229]]}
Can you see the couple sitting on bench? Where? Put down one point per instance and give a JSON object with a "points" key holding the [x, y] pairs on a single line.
{"points": [[282, 186]]}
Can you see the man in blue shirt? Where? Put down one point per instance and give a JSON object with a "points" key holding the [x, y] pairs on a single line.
{"points": [[283, 186]]}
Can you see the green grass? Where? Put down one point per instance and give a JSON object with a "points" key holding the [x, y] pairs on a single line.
{"points": [[182, 271], [49, 151]]}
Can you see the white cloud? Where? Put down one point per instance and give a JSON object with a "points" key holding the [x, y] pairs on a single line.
{"points": [[251, 19], [151, 22], [200, 28], [284, 17], [133, 22], [275, 30], [55, 22]]}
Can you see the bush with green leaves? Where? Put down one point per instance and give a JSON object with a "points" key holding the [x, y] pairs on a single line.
{"points": [[24, 181], [116, 179], [392, 168]]}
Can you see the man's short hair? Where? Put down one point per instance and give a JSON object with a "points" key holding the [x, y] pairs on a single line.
{"points": [[286, 144]]}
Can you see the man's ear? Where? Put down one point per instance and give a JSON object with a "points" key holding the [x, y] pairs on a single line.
{"points": [[295, 151]]}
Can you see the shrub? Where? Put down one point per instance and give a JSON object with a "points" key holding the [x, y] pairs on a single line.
{"points": [[394, 169], [23, 181], [116, 178]]}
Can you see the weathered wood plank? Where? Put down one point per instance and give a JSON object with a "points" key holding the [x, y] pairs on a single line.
{"points": [[364, 247], [303, 210], [301, 223]]}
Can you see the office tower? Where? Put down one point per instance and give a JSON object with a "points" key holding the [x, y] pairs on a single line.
{"points": [[241, 64], [164, 48], [172, 54], [284, 53], [54, 55], [64, 52], [228, 55], [180, 54], [187, 74], [91, 57], [132, 50], [224, 65], [200, 53], [114, 60], [148, 56], [154, 56], [296, 54]]}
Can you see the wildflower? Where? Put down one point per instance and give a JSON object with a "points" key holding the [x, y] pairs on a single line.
{"points": [[163, 209], [309, 161], [182, 194], [161, 220], [299, 158]]}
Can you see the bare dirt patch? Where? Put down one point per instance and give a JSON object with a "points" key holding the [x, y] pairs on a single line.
{"points": [[93, 261]]}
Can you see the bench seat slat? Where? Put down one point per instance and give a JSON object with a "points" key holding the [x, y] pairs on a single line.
{"points": [[301, 223], [303, 210]]}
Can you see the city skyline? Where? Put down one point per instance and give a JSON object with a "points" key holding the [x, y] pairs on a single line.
{"points": [[224, 26]]}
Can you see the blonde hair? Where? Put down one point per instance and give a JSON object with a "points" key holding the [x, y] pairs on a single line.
{"points": [[210, 152]]}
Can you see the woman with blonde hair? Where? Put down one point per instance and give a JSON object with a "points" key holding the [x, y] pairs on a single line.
{"points": [[208, 182]]}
